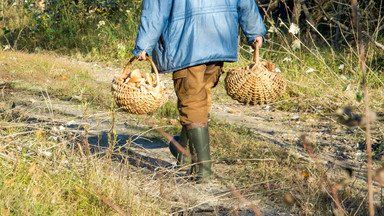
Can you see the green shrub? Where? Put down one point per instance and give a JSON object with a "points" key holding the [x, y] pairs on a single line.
{"points": [[90, 28]]}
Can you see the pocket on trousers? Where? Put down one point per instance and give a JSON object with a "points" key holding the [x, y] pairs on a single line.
{"points": [[179, 80], [221, 71]]}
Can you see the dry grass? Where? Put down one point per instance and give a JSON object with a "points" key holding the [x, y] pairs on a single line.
{"points": [[61, 77], [44, 172], [44, 168], [70, 182]]}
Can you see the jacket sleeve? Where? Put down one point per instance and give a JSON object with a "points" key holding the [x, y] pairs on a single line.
{"points": [[154, 16], [250, 20]]}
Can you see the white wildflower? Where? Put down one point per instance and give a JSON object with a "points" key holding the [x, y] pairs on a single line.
{"points": [[272, 29], [7, 47], [120, 47], [101, 23], [288, 59], [348, 87], [310, 70], [72, 122], [46, 153], [294, 29], [296, 44], [341, 67]]}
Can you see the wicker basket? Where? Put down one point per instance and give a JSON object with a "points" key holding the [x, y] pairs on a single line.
{"points": [[258, 83], [138, 100]]}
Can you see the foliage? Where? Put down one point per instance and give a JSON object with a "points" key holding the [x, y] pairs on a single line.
{"points": [[94, 28]]}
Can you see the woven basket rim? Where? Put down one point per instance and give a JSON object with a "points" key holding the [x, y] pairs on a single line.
{"points": [[138, 100], [125, 71]]}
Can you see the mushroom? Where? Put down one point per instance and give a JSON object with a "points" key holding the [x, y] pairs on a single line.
{"points": [[148, 79], [135, 75]]}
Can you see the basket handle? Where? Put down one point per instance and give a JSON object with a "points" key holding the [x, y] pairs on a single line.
{"points": [[126, 68], [256, 54]]}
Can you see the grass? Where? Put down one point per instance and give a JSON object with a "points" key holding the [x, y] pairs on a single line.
{"points": [[45, 171], [69, 81], [78, 184], [66, 184], [285, 174]]}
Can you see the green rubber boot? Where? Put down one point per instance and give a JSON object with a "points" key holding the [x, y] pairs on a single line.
{"points": [[199, 138], [182, 160]]}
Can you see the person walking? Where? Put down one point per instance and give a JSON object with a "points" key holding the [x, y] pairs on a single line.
{"points": [[192, 39]]}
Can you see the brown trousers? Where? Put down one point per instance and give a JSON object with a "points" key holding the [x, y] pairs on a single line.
{"points": [[193, 87]]}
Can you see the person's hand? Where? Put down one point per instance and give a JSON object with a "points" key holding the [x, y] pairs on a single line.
{"points": [[258, 42], [142, 55]]}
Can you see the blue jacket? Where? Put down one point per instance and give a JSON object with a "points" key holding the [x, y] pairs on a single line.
{"points": [[183, 33]]}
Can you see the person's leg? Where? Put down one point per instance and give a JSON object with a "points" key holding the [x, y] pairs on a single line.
{"points": [[199, 140], [191, 93], [193, 89], [181, 85], [182, 160], [212, 77]]}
